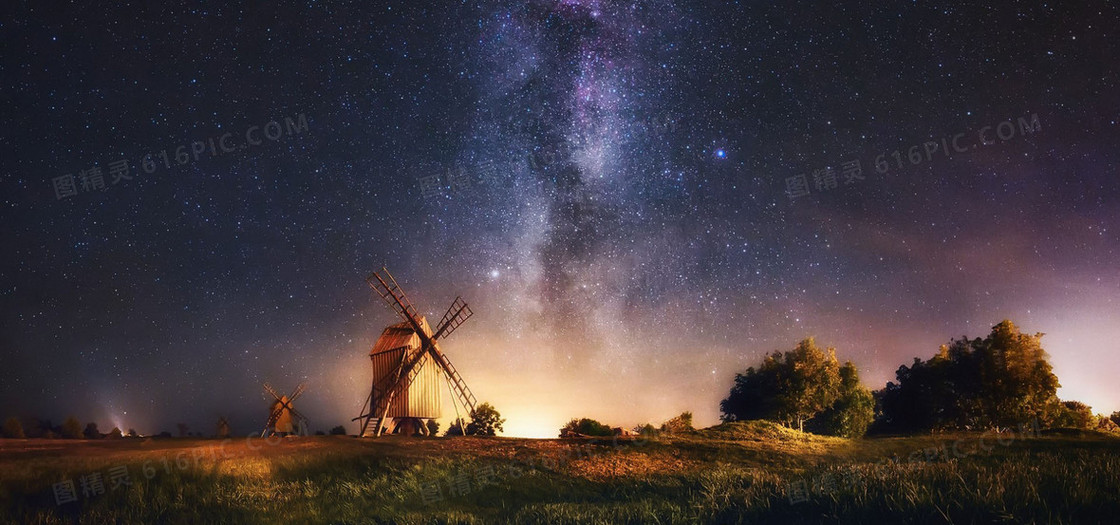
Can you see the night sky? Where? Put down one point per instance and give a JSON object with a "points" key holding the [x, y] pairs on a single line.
{"points": [[637, 199]]}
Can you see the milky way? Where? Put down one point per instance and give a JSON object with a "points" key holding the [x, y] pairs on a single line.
{"points": [[638, 199]]}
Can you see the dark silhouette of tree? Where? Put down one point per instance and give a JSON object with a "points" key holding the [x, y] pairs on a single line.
{"points": [[454, 429], [91, 431], [132, 433], [1115, 417], [115, 433], [13, 429], [1000, 381], [433, 427], [791, 387], [485, 421], [71, 428], [338, 431]]}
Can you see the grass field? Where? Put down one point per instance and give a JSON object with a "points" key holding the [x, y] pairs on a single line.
{"points": [[735, 473]]}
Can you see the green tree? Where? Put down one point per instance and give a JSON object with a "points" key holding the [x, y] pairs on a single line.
{"points": [[792, 387], [71, 428], [1074, 414], [485, 421], [853, 411], [13, 429], [1002, 380]]}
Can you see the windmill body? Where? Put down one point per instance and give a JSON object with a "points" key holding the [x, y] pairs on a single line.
{"points": [[423, 399], [409, 367]]}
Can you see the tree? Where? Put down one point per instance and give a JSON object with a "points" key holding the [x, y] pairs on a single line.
{"points": [[13, 429], [132, 433], [91, 431], [115, 433], [587, 427], [485, 421], [71, 428], [433, 427], [1000, 381], [1115, 417], [338, 431], [853, 411], [790, 387], [1074, 414]]}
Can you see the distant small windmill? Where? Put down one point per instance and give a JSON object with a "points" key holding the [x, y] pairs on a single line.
{"points": [[284, 419], [223, 427], [408, 366]]}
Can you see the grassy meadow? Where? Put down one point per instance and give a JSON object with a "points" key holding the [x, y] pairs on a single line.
{"points": [[750, 472]]}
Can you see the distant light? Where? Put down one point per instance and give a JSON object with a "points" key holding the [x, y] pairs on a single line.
{"points": [[721, 153], [494, 274]]}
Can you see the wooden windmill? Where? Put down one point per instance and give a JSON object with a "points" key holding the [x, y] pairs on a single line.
{"points": [[409, 368], [223, 427], [284, 419]]}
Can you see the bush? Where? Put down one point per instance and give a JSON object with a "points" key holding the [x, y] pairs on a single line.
{"points": [[338, 431], [1074, 414], [647, 430], [587, 427]]}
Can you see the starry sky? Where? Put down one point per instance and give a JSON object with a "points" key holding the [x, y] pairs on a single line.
{"points": [[638, 199]]}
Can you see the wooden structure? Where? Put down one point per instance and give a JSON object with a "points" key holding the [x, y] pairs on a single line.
{"points": [[283, 418], [409, 367], [223, 427]]}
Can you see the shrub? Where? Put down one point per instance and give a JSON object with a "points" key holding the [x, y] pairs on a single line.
{"points": [[587, 427]]}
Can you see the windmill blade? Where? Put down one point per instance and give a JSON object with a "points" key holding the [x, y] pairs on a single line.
{"points": [[298, 391], [456, 315], [298, 415], [394, 296], [268, 388]]}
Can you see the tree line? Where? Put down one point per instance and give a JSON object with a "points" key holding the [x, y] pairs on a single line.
{"points": [[999, 381]]}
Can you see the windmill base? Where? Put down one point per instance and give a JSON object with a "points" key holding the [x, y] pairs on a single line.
{"points": [[404, 426]]}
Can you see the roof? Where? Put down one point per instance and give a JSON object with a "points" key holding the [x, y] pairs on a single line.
{"points": [[400, 335]]}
